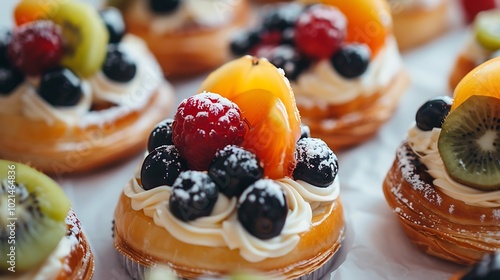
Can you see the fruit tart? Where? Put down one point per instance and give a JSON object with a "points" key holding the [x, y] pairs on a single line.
{"points": [[76, 91], [444, 185], [487, 269], [187, 37], [347, 82], [482, 44], [235, 185], [58, 248], [417, 22]]}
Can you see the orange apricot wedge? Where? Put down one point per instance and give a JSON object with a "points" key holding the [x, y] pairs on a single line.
{"points": [[253, 84], [31, 10], [482, 80], [269, 133]]}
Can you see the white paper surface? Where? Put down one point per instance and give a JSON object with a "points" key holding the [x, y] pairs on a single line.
{"points": [[377, 249]]}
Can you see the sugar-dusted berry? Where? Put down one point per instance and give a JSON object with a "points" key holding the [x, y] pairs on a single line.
{"points": [[234, 169], [194, 195], [316, 162], [205, 123]]}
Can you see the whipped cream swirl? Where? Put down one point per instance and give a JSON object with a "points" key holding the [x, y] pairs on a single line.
{"points": [[321, 84], [190, 13], [222, 227], [424, 144], [124, 97]]}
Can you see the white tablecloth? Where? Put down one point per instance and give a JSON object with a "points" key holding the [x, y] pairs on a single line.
{"points": [[376, 247]]}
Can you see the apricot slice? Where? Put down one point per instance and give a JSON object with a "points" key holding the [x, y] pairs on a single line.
{"points": [[368, 21], [269, 133], [265, 85], [482, 80], [31, 10]]}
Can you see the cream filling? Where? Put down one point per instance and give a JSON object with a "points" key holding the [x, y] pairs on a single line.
{"points": [[408, 5], [222, 228], [321, 84], [424, 143], [49, 269], [209, 13], [130, 96]]}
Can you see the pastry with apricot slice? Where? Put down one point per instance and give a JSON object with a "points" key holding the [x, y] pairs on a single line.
{"points": [[187, 37], [347, 80], [444, 184], [234, 179], [77, 91], [417, 22]]}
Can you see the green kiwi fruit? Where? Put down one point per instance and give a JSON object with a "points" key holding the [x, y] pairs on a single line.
{"points": [[487, 31], [469, 143], [85, 36], [33, 211]]}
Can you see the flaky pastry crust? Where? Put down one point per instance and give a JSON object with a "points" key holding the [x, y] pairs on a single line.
{"points": [[437, 223], [138, 238], [58, 148], [414, 27], [193, 51], [79, 264], [346, 125]]}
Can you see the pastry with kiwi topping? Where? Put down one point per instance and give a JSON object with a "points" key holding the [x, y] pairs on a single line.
{"points": [[347, 81], [36, 210], [188, 37], [444, 185], [482, 44], [233, 183], [76, 90]]}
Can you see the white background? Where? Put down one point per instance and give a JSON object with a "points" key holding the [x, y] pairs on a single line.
{"points": [[377, 247]]}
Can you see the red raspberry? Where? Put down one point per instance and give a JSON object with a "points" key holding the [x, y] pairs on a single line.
{"points": [[204, 124], [473, 7], [320, 31], [35, 47]]}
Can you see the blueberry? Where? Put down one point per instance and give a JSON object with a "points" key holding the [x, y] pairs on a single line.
{"points": [[113, 20], [5, 36], [305, 131], [119, 66], [164, 6], [234, 169], [433, 113], [487, 269], [288, 59], [60, 87], [351, 60], [282, 16], [316, 163], [242, 42], [161, 167], [194, 195], [9, 79], [262, 209], [161, 135]]}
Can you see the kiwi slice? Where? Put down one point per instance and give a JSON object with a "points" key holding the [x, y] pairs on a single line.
{"points": [[33, 211], [469, 143], [487, 29], [85, 36]]}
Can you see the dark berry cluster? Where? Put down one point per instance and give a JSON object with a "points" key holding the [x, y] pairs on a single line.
{"points": [[292, 36], [37, 49]]}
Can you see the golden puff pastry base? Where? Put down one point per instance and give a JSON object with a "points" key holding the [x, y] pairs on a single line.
{"points": [[347, 125], [418, 26], [59, 149], [138, 239], [194, 51], [439, 225]]}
